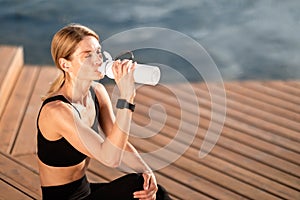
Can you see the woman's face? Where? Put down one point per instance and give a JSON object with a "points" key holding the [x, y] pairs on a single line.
{"points": [[86, 59]]}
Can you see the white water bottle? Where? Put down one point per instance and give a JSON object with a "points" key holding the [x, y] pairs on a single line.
{"points": [[144, 74]]}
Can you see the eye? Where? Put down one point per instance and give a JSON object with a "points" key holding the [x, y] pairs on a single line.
{"points": [[87, 55], [99, 52]]}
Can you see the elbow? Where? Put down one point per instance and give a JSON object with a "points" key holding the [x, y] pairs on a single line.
{"points": [[116, 165], [113, 163]]}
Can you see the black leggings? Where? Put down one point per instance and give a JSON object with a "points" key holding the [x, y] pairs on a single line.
{"points": [[121, 188]]}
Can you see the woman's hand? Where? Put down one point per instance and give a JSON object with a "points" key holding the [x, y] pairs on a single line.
{"points": [[124, 79], [150, 188]]}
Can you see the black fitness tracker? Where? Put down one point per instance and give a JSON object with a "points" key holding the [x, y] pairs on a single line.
{"points": [[122, 103]]}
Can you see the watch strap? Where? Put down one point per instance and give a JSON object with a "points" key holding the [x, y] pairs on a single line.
{"points": [[122, 103]]}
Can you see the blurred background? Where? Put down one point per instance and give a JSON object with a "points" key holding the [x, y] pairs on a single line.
{"points": [[247, 39]]}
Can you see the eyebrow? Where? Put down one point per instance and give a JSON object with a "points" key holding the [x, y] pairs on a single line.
{"points": [[88, 51]]}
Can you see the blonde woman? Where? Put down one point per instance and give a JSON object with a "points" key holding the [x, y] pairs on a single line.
{"points": [[67, 125]]}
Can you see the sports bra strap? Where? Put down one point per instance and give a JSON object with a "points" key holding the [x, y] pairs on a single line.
{"points": [[61, 98], [97, 108]]}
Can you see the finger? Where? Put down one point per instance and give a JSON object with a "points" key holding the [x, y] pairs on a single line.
{"points": [[146, 181], [115, 67], [153, 184], [127, 66], [132, 67], [143, 194], [146, 193], [124, 66]]}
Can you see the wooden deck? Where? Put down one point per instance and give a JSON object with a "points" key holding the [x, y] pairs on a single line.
{"points": [[256, 157]]}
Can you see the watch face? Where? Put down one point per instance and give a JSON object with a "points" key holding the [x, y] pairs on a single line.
{"points": [[121, 103]]}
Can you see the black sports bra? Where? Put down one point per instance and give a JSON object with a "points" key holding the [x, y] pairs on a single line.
{"points": [[60, 153]]}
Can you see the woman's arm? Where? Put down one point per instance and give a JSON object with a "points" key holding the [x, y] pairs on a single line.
{"points": [[131, 157]]}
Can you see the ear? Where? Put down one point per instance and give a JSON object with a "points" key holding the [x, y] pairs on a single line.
{"points": [[65, 64]]}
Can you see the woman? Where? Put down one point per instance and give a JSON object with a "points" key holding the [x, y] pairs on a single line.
{"points": [[67, 137]]}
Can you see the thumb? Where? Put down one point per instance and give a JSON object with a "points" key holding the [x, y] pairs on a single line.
{"points": [[146, 181]]}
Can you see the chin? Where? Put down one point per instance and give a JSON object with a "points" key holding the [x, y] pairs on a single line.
{"points": [[98, 76], [101, 76]]}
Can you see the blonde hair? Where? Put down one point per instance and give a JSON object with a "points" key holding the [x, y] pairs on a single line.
{"points": [[63, 45]]}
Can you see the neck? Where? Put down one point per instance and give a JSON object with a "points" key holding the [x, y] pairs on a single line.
{"points": [[77, 90]]}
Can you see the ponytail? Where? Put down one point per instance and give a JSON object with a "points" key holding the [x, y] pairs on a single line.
{"points": [[55, 85]]}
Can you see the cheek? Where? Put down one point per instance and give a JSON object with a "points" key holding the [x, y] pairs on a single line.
{"points": [[83, 70], [86, 69], [84, 66]]}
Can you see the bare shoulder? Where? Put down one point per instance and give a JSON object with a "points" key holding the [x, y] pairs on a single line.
{"points": [[55, 117], [98, 87], [55, 108]]}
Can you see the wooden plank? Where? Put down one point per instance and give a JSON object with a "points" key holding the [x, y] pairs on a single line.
{"points": [[190, 180], [264, 135], [180, 191], [15, 173], [7, 53], [283, 87], [8, 191], [261, 145], [16, 107], [14, 65], [26, 140], [262, 119], [238, 88], [246, 99], [293, 83], [271, 91], [29, 161], [261, 134]]}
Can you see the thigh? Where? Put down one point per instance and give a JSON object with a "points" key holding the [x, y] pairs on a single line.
{"points": [[121, 188]]}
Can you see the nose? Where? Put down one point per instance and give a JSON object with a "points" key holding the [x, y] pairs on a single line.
{"points": [[99, 59]]}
